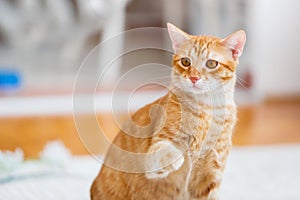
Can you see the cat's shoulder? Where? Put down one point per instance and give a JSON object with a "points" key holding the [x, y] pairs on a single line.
{"points": [[142, 115]]}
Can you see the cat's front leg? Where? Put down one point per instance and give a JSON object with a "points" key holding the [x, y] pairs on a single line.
{"points": [[163, 158]]}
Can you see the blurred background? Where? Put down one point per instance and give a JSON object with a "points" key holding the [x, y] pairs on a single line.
{"points": [[44, 42]]}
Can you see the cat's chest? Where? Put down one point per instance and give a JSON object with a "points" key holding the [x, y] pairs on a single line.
{"points": [[207, 125], [199, 122]]}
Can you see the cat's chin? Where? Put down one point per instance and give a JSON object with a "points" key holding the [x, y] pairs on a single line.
{"points": [[202, 91], [195, 90], [198, 91], [191, 89]]}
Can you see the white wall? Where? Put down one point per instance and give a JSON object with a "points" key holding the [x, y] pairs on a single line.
{"points": [[274, 42]]}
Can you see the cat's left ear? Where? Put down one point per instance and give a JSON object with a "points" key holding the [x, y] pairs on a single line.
{"points": [[178, 37], [235, 42]]}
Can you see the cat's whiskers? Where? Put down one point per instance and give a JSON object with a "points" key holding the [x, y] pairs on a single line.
{"points": [[241, 82]]}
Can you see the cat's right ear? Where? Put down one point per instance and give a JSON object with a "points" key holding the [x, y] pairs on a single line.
{"points": [[235, 42], [177, 36]]}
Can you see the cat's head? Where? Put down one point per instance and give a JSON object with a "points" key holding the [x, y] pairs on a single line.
{"points": [[202, 64]]}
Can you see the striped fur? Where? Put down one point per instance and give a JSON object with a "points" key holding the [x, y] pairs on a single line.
{"points": [[186, 156]]}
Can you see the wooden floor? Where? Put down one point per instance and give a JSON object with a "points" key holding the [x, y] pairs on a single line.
{"points": [[271, 123]]}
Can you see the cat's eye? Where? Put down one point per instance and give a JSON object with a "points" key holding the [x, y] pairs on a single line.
{"points": [[212, 64], [186, 62]]}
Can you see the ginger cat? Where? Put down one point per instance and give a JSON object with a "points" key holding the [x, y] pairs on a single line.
{"points": [[176, 147]]}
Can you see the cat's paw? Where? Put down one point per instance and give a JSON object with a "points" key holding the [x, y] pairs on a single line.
{"points": [[163, 158]]}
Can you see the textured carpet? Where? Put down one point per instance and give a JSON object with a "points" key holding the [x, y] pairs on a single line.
{"points": [[252, 173]]}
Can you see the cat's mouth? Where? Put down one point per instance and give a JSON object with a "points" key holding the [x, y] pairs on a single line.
{"points": [[199, 86], [195, 87], [204, 88], [198, 89]]}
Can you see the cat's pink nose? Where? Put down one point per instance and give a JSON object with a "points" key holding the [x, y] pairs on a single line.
{"points": [[194, 79]]}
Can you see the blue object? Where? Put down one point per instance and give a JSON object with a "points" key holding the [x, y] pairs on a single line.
{"points": [[10, 79]]}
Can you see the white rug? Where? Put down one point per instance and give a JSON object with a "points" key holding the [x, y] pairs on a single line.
{"points": [[252, 173], [262, 173]]}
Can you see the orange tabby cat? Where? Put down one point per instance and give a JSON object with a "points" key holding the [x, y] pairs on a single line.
{"points": [[176, 147]]}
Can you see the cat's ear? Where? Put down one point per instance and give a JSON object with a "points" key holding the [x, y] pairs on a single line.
{"points": [[235, 42], [178, 37]]}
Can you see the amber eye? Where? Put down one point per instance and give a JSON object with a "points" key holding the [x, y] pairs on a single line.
{"points": [[212, 64], [186, 62]]}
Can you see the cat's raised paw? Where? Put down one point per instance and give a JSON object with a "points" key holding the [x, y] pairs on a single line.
{"points": [[163, 158]]}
